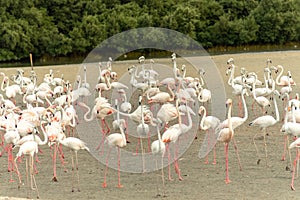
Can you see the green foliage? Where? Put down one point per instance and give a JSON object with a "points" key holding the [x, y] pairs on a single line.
{"points": [[65, 27]]}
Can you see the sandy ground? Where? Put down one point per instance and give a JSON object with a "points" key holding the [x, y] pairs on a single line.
{"points": [[200, 181]]}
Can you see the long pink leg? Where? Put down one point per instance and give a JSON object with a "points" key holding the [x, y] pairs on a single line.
{"points": [[169, 161], [226, 157], [119, 173], [215, 157], [284, 149], [137, 147], [54, 163], [104, 132], [176, 165], [237, 153], [208, 143], [61, 156], [294, 169], [104, 184]]}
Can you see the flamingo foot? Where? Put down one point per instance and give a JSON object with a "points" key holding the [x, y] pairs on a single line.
{"points": [[206, 162], [227, 181], [104, 185], [11, 181], [283, 158], [180, 178], [54, 179], [214, 163], [120, 185], [292, 187]]}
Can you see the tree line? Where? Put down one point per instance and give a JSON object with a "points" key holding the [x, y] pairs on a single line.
{"points": [[75, 27]]}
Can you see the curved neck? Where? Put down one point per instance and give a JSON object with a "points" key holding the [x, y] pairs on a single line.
{"points": [[279, 75], [2, 84], [172, 93], [253, 88], [85, 116], [203, 117], [123, 135], [45, 135]]}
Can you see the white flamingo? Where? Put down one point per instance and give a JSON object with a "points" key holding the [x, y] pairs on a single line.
{"points": [[283, 80], [263, 122]]}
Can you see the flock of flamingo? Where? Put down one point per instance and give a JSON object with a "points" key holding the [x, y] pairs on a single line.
{"points": [[30, 106]]}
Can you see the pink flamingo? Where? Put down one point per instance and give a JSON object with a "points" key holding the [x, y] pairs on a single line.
{"points": [[172, 134], [74, 144], [295, 144], [208, 124], [115, 140], [225, 135], [28, 148]]}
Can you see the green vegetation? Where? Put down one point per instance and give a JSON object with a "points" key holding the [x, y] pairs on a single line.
{"points": [[57, 28]]}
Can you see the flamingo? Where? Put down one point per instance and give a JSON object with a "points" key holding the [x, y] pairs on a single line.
{"points": [[172, 134], [295, 144], [115, 140], [162, 97], [225, 135], [10, 90], [11, 137], [158, 147], [263, 122], [262, 101], [286, 90], [283, 80], [168, 112], [74, 144], [289, 128], [208, 124], [29, 148], [100, 110], [143, 86]]}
